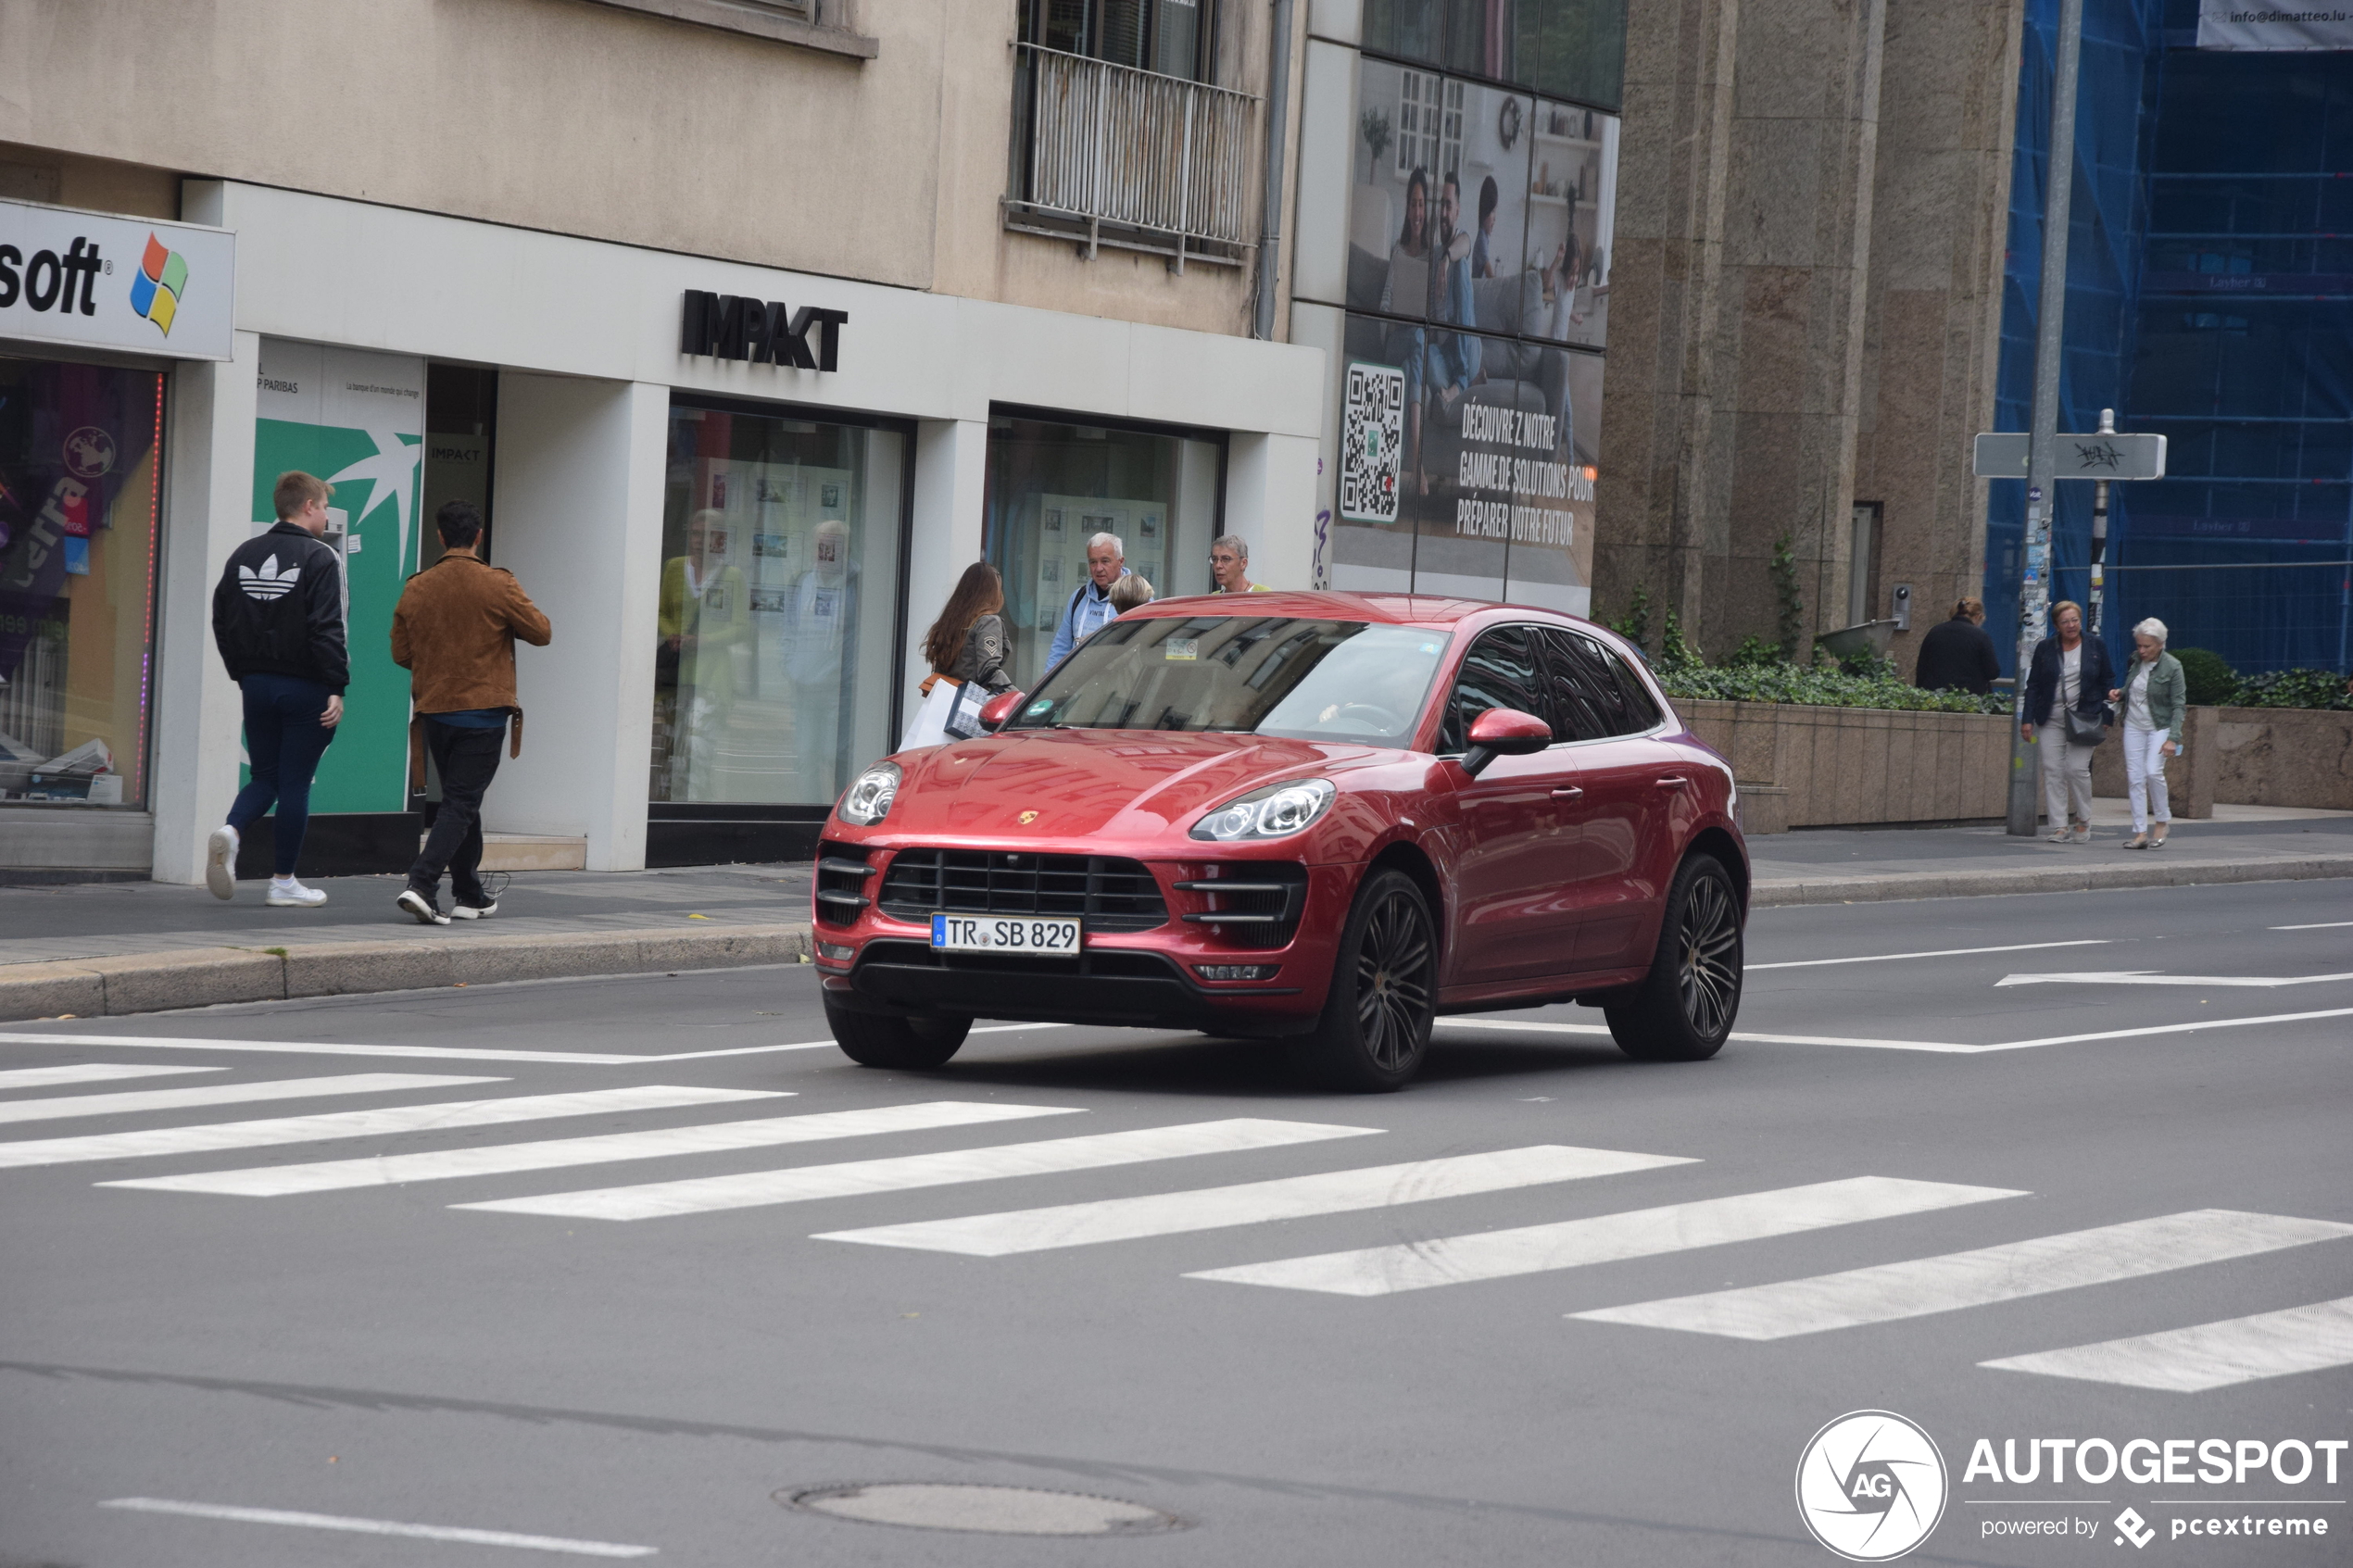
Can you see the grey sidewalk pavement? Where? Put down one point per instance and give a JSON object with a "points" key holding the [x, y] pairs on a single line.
{"points": [[98, 948]]}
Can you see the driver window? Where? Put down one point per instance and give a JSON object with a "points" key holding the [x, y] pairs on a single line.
{"points": [[1501, 670]]}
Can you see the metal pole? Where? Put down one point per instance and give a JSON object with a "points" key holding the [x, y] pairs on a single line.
{"points": [[2034, 586], [2100, 530], [1270, 242]]}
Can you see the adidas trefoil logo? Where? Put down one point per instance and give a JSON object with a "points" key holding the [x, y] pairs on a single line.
{"points": [[269, 584]]}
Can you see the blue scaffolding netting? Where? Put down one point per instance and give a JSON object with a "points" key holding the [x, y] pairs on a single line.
{"points": [[2210, 299]]}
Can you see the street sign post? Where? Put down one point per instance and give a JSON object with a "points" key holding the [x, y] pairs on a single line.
{"points": [[2101, 455]]}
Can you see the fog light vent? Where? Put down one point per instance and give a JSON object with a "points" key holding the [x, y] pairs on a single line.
{"points": [[835, 952], [1236, 971]]}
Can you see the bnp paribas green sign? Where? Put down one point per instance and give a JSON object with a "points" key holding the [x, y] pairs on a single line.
{"points": [[357, 421]]}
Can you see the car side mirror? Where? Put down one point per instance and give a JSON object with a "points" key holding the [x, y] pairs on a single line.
{"points": [[1499, 732], [997, 709]]}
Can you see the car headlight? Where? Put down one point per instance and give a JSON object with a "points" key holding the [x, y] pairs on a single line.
{"points": [[1276, 811], [868, 798]]}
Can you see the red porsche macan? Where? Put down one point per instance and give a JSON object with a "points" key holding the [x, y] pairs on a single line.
{"points": [[1316, 818]]}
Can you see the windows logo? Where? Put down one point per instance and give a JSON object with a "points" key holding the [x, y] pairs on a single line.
{"points": [[161, 280]]}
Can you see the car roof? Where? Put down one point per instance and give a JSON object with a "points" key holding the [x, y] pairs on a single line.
{"points": [[1393, 609]]}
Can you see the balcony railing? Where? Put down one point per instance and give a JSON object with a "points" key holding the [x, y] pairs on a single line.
{"points": [[1107, 155]]}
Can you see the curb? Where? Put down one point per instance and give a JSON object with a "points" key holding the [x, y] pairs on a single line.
{"points": [[1777, 892], [193, 977]]}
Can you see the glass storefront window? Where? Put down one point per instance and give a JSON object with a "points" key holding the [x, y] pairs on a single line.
{"points": [[780, 572], [1054, 486], [79, 505]]}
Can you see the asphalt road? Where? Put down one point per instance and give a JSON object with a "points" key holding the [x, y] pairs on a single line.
{"points": [[639, 1353]]}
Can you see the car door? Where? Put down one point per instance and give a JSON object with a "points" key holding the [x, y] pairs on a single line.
{"points": [[1516, 857], [1631, 780]]}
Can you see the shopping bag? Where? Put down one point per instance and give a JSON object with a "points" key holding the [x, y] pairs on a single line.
{"points": [[950, 711]]}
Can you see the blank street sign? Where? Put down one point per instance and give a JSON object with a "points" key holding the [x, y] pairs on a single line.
{"points": [[2003, 456]]}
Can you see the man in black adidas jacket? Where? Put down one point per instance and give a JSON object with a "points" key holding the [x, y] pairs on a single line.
{"points": [[277, 618]]}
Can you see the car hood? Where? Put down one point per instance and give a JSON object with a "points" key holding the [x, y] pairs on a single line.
{"points": [[1116, 783]]}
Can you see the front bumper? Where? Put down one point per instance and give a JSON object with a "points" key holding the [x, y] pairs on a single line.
{"points": [[877, 962]]}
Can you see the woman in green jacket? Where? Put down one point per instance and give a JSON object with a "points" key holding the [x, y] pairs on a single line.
{"points": [[2155, 699]]}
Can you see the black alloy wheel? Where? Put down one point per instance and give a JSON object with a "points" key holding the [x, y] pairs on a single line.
{"points": [[1683, 1009], [1375, 1029]]}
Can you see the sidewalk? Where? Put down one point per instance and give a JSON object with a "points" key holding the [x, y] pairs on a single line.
{"points": [[99, 948]]}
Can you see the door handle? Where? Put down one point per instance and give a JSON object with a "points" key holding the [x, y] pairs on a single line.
{"points": [[1570, 793], [1673, 781]]}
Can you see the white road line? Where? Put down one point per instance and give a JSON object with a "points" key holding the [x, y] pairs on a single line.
{"points": [[444, 1053], [1753, 1039], [129, 1100], [1978, 1278], [444, 1115], [1290, 1198], [2210, 1355], [2322, 925], [380, 1528], [1937, 953], [1604, 1239], [2151, 977], [706, 1194], [2171, 1029], [391, 1170], [88, 1072]]}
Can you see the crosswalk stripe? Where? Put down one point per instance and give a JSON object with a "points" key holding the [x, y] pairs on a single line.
{"points": [[225, 1094], [1977, 1278], [1288, 1198], [1641, 1232], [703, 1195], [447, 1115], [88, 1072], [2210, 1355], [390, 1169]]}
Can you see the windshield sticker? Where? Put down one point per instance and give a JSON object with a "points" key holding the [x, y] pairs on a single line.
{"points": [[1040, 705], [1182, 647]]}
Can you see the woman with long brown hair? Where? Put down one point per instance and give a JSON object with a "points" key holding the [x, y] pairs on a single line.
{"points": [[967, 643]]}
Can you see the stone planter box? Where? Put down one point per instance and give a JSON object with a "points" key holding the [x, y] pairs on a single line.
{"points": [[1841, 767], [2300, 756]]}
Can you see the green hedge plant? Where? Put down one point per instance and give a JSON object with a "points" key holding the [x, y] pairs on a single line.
{"points": [[2291, 688], [2211, 679]]}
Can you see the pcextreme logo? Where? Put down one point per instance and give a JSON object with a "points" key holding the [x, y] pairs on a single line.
{"points": [[1870, 1486]]}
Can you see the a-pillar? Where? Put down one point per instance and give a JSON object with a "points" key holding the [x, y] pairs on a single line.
{"points": [[576, 516]]}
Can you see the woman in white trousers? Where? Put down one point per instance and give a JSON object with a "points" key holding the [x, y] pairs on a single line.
{"points": [[2154, 696]]}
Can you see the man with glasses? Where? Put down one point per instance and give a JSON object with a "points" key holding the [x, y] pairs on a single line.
{"points": [[1230, 566]]}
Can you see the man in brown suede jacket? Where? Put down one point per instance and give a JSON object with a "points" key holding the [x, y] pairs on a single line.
{"points": [[454, 630]]}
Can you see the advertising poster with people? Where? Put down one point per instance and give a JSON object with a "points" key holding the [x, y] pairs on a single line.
{"points": [[1478, 300]]}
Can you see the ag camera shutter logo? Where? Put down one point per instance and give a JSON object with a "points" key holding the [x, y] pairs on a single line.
{"points": [[1870, 1486]]}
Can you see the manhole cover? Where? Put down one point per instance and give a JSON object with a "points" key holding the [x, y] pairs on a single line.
{"points": [[996, 1511]]}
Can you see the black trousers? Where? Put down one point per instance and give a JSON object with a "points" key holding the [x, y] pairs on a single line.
{"points": [[467, 760]]}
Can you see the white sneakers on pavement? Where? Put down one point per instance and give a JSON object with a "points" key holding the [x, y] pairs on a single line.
{"points": [[220, 862], [472, 912], [423, 907], [287, 893]]}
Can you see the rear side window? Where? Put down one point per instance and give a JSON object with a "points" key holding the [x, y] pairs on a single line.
{"points": [[1595, 685], [1642, 709], [1502, 669]]}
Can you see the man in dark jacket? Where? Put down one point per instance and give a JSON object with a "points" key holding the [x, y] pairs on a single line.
{"points": [[454, 630], [1957, 655], [277, 618]]}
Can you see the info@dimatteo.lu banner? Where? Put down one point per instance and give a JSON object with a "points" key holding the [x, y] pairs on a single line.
{"points": [[1874, 1486]]}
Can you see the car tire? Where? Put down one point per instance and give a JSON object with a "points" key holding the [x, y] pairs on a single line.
{"points": [[911, 1044], [1375, 1028], [1683, 1009]]}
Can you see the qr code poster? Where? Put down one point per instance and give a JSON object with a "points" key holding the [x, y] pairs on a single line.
{"points": [[1372, 443]]}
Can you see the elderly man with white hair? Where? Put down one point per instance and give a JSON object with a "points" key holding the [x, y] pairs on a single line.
{"points": [[2156, 698], [1091, 608]]}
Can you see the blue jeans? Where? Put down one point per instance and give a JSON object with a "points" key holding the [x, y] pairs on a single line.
{"points": [[285, 740]]}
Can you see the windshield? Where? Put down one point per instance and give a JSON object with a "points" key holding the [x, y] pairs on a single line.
{"points": [[1273, 675]]}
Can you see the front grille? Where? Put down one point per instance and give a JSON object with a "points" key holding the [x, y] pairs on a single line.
{"points": [[842, 876], [1104, 891]]}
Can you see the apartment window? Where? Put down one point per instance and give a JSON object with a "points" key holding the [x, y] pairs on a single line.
{"points": [[1170, 37]]}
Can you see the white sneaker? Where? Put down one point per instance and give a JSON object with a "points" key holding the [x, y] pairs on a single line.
{"points": [[462, 911], [220, 862], [292, 895]]}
